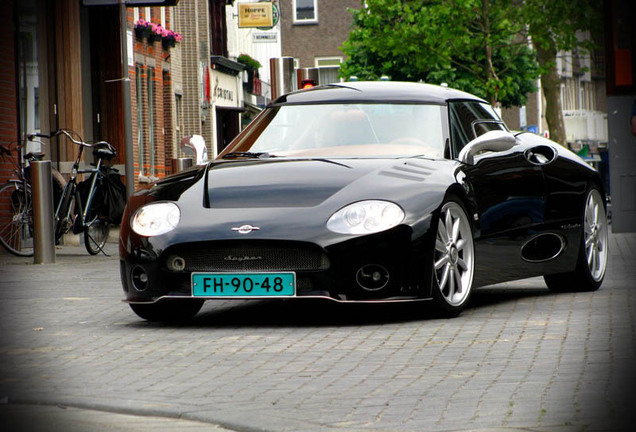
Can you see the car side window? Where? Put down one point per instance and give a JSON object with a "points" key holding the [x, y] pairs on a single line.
{"points": [[470, 119]]}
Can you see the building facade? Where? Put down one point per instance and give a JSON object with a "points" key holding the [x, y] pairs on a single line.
{"points": [[137, 75], [312, 32]]}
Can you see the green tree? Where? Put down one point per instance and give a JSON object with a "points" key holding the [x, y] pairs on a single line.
{"points": [[474, 45], [557, 26]]}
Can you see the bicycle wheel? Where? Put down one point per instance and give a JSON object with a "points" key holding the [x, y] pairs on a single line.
{"points": [[96, 235], [16, 219]]}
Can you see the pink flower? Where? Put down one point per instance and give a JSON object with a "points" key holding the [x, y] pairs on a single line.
{"points": [[141, 23]]}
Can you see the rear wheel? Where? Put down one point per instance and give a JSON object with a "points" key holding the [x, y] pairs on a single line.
{"points": [[65, 212], [592, 261], [454, 262], [16, 219], [169, 310]]}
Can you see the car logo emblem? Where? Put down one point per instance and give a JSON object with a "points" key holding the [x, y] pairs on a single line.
{"points": [[245, 229], [243, 258]]}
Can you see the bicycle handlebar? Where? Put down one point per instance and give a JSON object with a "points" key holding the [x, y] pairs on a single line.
{"points": [[70, 137]]}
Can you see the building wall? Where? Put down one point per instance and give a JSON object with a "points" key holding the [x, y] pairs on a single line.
{"points": [[8, 102], [202, 81], [305, 42], [192, 18], [151, 107], [260, 44]]}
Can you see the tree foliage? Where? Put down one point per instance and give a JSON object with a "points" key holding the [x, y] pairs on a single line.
{"points": [[474, 45], [557, 26]]}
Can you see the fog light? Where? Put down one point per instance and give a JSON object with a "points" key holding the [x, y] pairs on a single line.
{"points": [[372, 277], [176, 263], [139, 278]]}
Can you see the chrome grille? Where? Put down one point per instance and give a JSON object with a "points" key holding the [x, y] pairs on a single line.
{"points": [[243, 257]]}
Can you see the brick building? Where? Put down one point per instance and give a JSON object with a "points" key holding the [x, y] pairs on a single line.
{"points": [[152, 96], [312, 32], [209, 82], [115, 72]]}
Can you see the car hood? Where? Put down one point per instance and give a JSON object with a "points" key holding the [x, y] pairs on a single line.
{"points": [[292, 199], [293, 183]]}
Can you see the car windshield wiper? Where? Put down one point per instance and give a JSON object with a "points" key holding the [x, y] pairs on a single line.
{"points": [[239, 154]]}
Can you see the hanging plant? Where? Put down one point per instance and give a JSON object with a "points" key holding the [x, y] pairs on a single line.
{"points": [[142, 29], [249, 62], [156, 32], [170, 38]]}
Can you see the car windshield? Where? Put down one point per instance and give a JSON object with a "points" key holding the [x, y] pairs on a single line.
{"points": [[343, 130]]}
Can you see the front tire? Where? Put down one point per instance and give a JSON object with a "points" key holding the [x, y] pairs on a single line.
{"points": [[96, 235], [169, 310], [593, 252], [454, 259], [16, 219]]}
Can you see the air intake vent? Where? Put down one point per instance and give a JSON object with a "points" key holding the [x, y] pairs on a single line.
{"points": [[408, 171], [250, 256], [543, 247]]}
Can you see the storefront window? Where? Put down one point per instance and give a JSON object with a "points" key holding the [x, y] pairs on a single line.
{"points": [[28, 70]]}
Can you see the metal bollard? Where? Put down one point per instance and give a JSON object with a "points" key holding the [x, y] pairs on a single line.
{"points": [[43, 228], [181, 164], [282, 75]]}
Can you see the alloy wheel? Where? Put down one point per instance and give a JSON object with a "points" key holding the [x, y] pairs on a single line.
{"points": [[595, 235], [454, 255]]}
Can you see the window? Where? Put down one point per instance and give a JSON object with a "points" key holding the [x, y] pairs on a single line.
{"points": [[139, 83], [305, 11], [328, 68], [218, 28], [178, 108], [151, 120], [470, 120]]}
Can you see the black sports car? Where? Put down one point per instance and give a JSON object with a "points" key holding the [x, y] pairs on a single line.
{"points": [[366, 192]]}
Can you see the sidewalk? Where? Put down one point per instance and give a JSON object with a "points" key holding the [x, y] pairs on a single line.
{"points": [[520, 358], [43, 418]]}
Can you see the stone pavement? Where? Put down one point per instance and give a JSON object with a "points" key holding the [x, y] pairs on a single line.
{"points": [[73, 357]]}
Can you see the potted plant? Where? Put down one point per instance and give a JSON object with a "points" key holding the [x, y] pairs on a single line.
{"points": [[251, 66], [142, 29], [249, 62]]}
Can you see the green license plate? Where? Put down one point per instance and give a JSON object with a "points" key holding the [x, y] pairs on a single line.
{"points": [[243, 285]]}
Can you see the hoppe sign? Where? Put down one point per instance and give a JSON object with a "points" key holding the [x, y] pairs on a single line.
{"points": [[255, 15]]}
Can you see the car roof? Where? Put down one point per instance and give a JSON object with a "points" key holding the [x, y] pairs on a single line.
{"points": [[375, 91]]}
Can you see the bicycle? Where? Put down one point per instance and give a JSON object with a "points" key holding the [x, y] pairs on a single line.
{"points": [[70, 213], [16, 200]]}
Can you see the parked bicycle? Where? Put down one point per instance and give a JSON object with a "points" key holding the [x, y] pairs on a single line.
{"points": [[16, 201], [74, 209], [72, 212]]}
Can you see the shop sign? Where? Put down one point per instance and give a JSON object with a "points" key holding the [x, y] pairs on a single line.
{"points": [[264, 37], [256, 15], [224, 89]]}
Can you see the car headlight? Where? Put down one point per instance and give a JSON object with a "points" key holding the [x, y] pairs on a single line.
{"points": [[155, 219], [366, 217]]}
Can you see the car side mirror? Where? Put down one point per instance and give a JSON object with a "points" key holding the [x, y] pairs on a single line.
{"points": [[495, 140]]}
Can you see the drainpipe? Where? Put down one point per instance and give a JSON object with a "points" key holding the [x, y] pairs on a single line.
{"points": [[126, 108]]}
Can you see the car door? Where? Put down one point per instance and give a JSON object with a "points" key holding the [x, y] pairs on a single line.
{"points": [[508, 189]]}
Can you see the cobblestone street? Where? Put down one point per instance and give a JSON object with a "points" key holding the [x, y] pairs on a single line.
{"points": [[519, 358]]}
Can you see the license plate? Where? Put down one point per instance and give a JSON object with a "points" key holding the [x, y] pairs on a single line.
{"points": [[243, 285]]}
